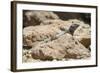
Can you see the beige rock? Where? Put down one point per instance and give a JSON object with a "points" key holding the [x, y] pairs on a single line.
{"points": [[70, 25], [48, 30], [63, 47], [83, 34], [57, 40], [53, 21], [32, 34], [32, 18]]}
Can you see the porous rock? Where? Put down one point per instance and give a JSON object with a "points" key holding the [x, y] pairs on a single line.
{"points": [[83, 34], [63, 47], [51, 29], [32, 18], [33, 34]]}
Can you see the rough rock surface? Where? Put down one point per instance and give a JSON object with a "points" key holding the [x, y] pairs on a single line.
{"points": [[36, 17], [47, 37], [83, 34], [33, 34], [60, 48], [56, 28], [47, 31]]}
